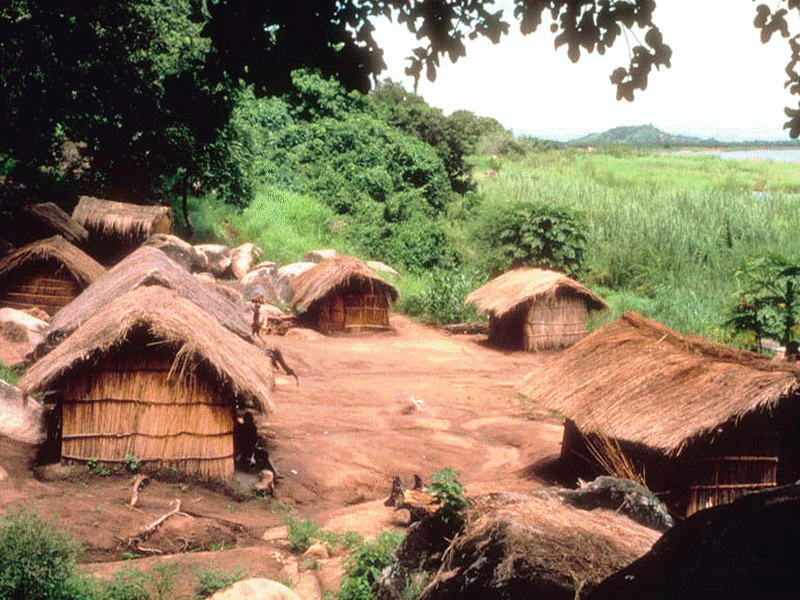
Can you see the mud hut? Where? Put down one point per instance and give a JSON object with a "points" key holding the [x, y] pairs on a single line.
{"points": [[155, 377], [342, 294], [700, 423], [117, 228], [535, 309], [47, 274], [146, 266]]}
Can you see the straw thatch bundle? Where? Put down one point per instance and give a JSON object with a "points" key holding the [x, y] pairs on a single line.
{"points": [[154, 376], [324, 278], [108, 218], [637, 381], [506, 292], [52, 217], [146, 266], [47, 274]]}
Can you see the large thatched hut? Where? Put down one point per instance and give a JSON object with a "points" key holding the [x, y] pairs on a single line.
{"points": [[46, 274], [146, 266], [342, 294], [155, 377], [700, 422], [535, 309], [117, 228]]}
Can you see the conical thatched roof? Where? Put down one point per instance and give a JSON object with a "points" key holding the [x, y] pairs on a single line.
{"points": [[82, 266], [504, 293], [119, 219], [322, 279], [53, 217], [237, 364], [146, 266], [636, 380]]}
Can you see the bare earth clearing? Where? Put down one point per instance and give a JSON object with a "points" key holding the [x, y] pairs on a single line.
{"points": [[368, 407]]}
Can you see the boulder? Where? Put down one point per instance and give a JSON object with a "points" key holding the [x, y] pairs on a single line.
{"points": [[20, 333], [317, 256], [624, 496], [382, 268], [256, 589], [214, 259], [178, 250], [284, 277], [260, 283], [743, 550], [242, 259], [21, 417]]}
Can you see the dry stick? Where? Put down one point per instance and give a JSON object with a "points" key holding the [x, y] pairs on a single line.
{"points": [[145, 533], [137, 484]]}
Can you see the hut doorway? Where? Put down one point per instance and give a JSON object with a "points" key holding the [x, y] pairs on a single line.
{"points": [[508, 331]]}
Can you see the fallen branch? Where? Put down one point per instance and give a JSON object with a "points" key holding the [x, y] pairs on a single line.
{"points": [[137, 485], [146, 532]]}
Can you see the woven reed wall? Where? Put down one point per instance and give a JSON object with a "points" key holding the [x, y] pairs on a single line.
{"points": [[339, 312], [555, 324], [45, 284], [745, 463], [128, 405]]}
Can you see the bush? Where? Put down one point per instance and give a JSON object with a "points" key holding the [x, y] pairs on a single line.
{"points": [[128, 584], [365, 564], [301, 533], [211, 581], [447, 489], [440, 299], [533, 234], [37, 560]]}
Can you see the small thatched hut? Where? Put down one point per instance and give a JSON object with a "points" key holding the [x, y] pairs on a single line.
{"points": [[342, 294], [46, 219], [117, 228], [535, 309], [153, 376], [146, 266], [47, 274], [700, 422]]}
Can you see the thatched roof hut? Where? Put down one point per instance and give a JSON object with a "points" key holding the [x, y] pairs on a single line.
{"points": [[49, 217], [116, 228], [154, 376], [535, 309], [47, 274], [342, 294], [704, 421], [146, 266]]}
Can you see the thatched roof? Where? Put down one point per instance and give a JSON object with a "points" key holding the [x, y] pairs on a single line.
{"points": [[82, 266], [636, 380], [118, 219], [146, 266], [53, 217], [237, 364], [322, 279], [504, 293]]}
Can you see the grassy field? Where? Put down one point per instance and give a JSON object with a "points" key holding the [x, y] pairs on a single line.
{"points": [[667, 232]]}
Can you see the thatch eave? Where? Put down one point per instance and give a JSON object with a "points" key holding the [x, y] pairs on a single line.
{"points": [[110, 218], [507, 292], [51, 215], [171, 319], [83, 267], [636, 381]]}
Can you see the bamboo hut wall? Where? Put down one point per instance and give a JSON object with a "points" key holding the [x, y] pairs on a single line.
{"points": [[555, 323], [129, 405], [350, 308], [46, 284]]}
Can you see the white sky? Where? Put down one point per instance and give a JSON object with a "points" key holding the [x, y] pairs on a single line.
{"points": [[723, 82]]}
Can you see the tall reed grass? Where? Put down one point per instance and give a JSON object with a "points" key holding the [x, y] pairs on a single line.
{"points": [[666, 232]]}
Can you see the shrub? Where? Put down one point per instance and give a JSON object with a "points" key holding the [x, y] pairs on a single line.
{"points": [[365, 564], [441, 299], [213, 580], [448, 490], [37, 560], [301, 533], [129, 584]]}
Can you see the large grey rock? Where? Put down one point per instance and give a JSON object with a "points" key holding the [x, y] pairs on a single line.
{"points": [[284, 277], [21, 417], [624, 496], [214, 259], [178, 250], [19, 334], [260, 283], [242, 259], [256, 589], [382, 268], [317, 256]]}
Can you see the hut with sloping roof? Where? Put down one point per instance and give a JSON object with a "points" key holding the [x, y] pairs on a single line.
{"points": [[535, 309], [46, 274], [153, 376], [342, 294], [42, 220], [701, 423], [146, 266], [117, 228]]}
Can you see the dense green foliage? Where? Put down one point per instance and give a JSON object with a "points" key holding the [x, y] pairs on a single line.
{"points": [[364, 566], [449, 492]]}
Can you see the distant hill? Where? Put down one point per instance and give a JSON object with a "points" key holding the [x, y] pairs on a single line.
{"points": [[640, 135]]}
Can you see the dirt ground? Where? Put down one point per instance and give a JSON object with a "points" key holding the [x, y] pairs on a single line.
{"points": [[367, 408]]}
